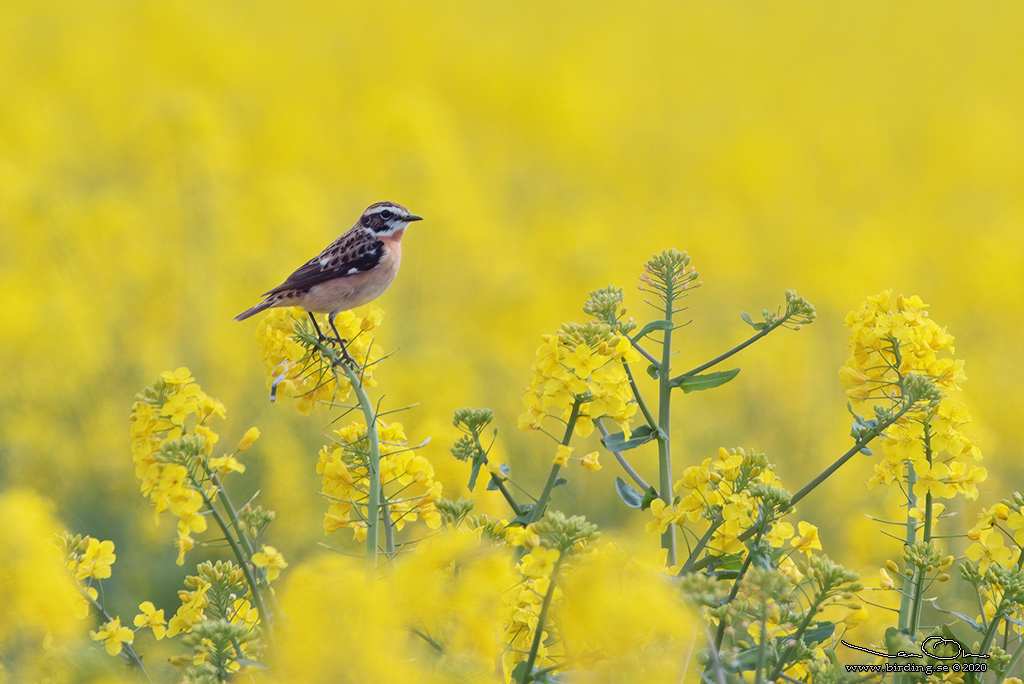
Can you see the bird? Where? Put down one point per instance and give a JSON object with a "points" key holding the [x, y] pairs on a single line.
{"points": [[353, 270]]}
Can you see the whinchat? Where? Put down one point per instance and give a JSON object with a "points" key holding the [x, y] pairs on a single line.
{"points": [[353, 270]]}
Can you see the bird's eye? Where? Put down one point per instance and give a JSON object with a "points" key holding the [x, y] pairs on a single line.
{"points": [[386, 214]]}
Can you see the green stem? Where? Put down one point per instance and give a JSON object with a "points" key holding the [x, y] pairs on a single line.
{"points": [[648, 416], [641, 482], [720, 635], [389, 528], [541, 621], [668, 537], [841, 461], [918, 604], [542, 502], [813, 484], [699, 547], [738, 348], [1015, 660], [990, 633], [245, 562], [498, 482], [762, 645], [127, 649], [928, 497], [797, 636], [909, 593], [509, 498], [243, 538], [373, 504]]}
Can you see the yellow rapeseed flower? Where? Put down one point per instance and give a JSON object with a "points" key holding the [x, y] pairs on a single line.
{"points": [[152, 618], [250, 436], [271, 559], [591, 462], [227, 464], [96, 560], [113, 635], [807, 539]]}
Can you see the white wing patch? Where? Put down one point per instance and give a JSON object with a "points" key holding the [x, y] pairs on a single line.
{"points": [[352, 270], [324, 261]]}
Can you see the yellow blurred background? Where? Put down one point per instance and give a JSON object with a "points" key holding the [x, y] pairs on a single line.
{"points": [[163, 163]]}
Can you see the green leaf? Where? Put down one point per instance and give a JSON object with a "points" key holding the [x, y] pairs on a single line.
{"points": [[629, 494], [524, 519], [746, 661], [820, 632], [653, 371], [661, 324], [518, 671], [650, 495], [974, 625], [695, 383], [892, 640], [474, 472], [559, 481], [758, 558], [750, 321], [616, 441], [971, 621]]}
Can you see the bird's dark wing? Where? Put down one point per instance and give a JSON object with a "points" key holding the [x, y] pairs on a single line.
{"points": [[350, 254]]}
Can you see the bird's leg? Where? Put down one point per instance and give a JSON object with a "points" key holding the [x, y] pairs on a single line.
{"points": [[341, 342], [319, 335]]}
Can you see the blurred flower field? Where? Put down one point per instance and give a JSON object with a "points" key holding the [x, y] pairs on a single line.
{"points": [[163, 163]]}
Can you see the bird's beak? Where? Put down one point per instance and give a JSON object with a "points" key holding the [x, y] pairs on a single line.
{"points": [[412, 218]]}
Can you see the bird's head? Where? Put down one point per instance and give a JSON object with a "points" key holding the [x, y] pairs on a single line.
{"points": [[387, 218]]}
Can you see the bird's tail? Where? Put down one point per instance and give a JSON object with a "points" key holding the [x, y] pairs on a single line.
{"points": [[262, 306]]}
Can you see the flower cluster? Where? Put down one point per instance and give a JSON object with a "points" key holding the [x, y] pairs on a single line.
{"points": [[88, 559], [172, 444], [193, 602], [992, 558], [38, 596], [893, 340], [774, 609], [727, 492], [297, 368], [163, 448], [581, 366], [407, 479], [551, 545], [449, 591], [218, 621], [524, 608]]}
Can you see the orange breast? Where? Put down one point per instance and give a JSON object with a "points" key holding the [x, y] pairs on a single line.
{"points": [[348, 292]]}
